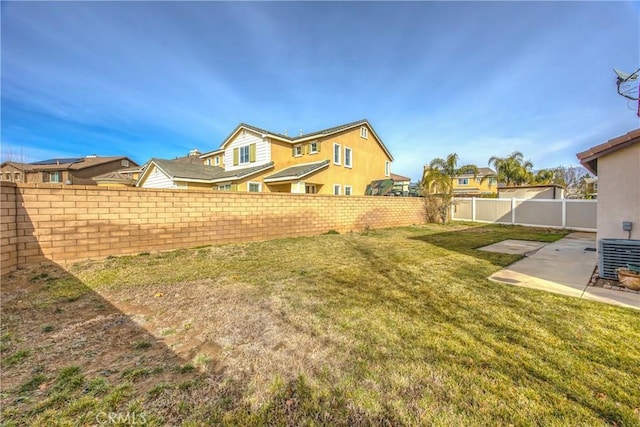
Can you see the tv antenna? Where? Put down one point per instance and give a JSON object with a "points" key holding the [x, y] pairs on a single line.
{"points": [[628, 86]]}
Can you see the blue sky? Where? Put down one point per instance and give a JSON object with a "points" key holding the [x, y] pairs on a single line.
{"points": [[156, 79]]}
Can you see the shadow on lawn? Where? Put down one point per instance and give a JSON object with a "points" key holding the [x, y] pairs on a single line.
{"points": [[54, 325], [466, 241]]}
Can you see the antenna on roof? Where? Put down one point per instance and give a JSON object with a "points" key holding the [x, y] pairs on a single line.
{"points": [[627, 86]]}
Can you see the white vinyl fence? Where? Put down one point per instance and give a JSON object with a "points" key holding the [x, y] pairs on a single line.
{"points": [[572, 214]]}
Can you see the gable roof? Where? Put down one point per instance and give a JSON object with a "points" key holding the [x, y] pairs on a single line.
{"points": [[297, 171], [304, 137], [181, 170], [589, 158], [399, 178], [240, 173]]}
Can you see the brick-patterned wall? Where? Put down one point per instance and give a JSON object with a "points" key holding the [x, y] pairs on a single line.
{"points": [[8, 228], [68, 223]]}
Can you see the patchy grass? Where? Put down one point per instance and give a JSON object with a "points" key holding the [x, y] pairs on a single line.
{"points": [[396, 326]]}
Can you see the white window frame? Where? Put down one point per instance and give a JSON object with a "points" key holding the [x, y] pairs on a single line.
{"points": [[336, 189], [250, 183], [364, 132], [297, 150], [350, 164], [208, 163], [348, 190], [125, 163], [240, 155], [311, 187], [387, 168], [337, 152], [216, 160], [311, 149], [463, 181], [223, 187]]}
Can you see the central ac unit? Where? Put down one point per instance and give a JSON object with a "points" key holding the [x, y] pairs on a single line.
{"points": [[616, 253]]}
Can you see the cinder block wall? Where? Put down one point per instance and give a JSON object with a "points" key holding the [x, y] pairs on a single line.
{"points": [[8, 228], [69, 223]]}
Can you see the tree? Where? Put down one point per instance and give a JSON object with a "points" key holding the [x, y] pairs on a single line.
{"points": [[544, 176], [437, 184], [512, 170]]}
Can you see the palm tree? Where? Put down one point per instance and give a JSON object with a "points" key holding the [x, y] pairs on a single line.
{"points": [[512, 170], [438, 180], [545, 176]]}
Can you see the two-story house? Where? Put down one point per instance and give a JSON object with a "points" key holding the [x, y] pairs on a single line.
{"points": [[484, 183], [77, 170], [340, 160]]}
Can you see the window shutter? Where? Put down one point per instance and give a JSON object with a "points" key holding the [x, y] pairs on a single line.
{"points": [[236, 157], [252, 152]]}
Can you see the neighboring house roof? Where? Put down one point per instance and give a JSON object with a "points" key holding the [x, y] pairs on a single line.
{"points": [[178, 169], [399, 178], [297, 171], [240, 173], [76, 163], [481, 172], [183, 170], [589, 158], [303, 137], [119, 177]]}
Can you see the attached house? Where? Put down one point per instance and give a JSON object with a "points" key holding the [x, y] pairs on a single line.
{"points": [[340, 160], [77, 170], [617, 166]]}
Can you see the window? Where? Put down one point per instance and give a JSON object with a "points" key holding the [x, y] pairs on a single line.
{"points": [[336, 154], [17, 176], [364, 132], [387, 169], [310, 189], [216, 160], [8, 174], [336, 189], [347, 157], [208, 162], [478, 179], [297, 151], [493, 181], [224, 187], [125, 163], [314, 147], [348, 190], [463, 181], [254, 187], [244, 154], [52, 176]]}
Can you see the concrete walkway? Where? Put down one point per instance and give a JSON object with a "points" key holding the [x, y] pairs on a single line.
{"points": [[565, 267]]}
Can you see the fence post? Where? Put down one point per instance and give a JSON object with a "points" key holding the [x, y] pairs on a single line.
{"points": [[473, 209], [564, 213], [513, 211]]}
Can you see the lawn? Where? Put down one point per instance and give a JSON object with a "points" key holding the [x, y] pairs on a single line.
{"points": [[396, 326]]}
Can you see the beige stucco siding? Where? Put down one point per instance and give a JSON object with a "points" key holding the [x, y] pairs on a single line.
{"points": [[619, 193]]}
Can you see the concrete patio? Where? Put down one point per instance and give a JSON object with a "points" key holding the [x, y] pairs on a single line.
{"points": [[564, 267]]}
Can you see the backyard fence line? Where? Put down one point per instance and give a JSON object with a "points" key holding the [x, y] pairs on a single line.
{"points": [[64, 223], [579, 215]]}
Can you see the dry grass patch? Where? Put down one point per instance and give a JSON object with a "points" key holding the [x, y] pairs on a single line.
{"points": [[396, 326]]}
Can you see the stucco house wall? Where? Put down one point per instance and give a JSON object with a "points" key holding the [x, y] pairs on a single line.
{"points": [[619, 193]]}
